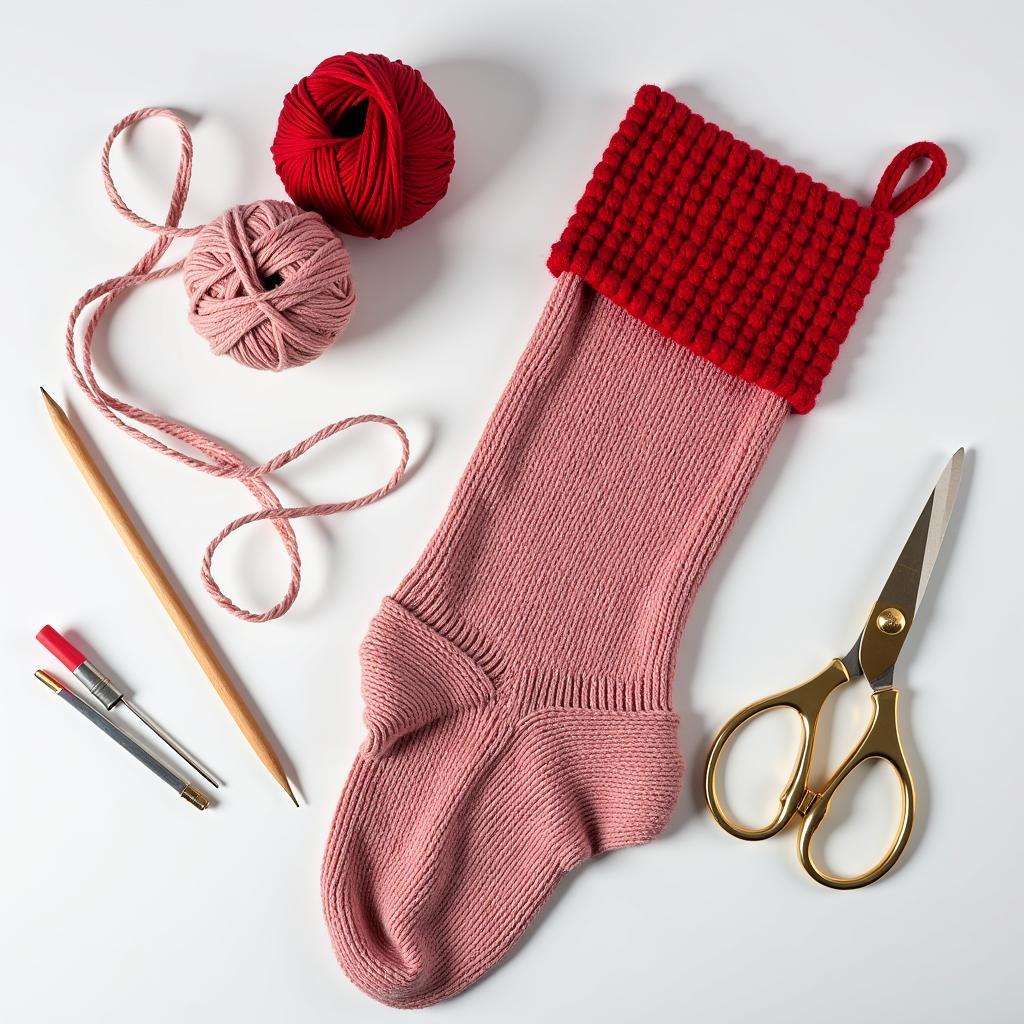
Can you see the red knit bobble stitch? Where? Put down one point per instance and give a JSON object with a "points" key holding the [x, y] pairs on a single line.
{"points": [[749, 263]]}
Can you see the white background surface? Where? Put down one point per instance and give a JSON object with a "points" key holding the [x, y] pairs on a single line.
{"points": [[121, 903]]}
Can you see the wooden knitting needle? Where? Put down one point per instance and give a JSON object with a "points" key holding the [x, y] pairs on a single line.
{"points": [[173, 604]]}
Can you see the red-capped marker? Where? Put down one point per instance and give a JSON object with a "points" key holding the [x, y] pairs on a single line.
{"points": [[61, 648], [101, 687]]}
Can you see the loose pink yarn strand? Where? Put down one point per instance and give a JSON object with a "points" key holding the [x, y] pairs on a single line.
{"points": [[219, 460]]}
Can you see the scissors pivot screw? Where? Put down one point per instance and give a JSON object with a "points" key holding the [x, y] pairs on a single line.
{"points": [[891, 621]]}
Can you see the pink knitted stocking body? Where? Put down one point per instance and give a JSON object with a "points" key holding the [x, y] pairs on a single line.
{"points": [[518, 684]]}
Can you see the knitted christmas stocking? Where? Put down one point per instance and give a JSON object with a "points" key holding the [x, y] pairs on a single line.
{"points": [[518, 684]]}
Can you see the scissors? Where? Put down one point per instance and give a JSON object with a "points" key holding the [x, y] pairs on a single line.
{"points": [[874, 657]]}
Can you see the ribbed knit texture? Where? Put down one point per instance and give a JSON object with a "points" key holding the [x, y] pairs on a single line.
{"points": [[518, 685], [742, 259]]}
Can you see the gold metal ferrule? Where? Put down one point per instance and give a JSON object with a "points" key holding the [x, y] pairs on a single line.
{"points": [[195, 798], [44, 677]]}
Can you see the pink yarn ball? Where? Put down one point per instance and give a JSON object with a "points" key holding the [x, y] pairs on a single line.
{"points": [[269, 285]]}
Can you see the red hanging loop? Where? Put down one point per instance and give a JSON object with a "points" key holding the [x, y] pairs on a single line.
{"points": [[885, 195]]}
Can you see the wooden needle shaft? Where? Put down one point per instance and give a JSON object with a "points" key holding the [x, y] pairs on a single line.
{"points": [[165, 591]]}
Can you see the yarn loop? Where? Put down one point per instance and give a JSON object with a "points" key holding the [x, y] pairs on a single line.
{"points": [[364, 141], [253, 274], [896, 203]]}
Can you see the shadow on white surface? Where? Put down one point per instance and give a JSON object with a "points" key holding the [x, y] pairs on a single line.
{"points": [[494, 106]]}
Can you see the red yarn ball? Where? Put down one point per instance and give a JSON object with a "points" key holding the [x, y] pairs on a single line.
{"points": [[365, 143]]}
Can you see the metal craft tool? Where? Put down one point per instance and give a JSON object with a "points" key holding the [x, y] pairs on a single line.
{"points": [[103, 689], [175, 607], [122, 739], [874, 657]]}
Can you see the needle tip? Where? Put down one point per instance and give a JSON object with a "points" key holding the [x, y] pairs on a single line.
{"points": [[286, 786], [51, 406]]}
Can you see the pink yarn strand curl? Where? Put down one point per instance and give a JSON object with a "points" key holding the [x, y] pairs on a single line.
{"points": [[216, 459]]}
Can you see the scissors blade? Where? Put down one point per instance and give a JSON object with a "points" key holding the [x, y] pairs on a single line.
{"points": [[943, 500], [893, 614]]}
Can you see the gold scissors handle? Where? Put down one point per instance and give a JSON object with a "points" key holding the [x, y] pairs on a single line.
{"points": [[874, 657], [882, 742], [806, 700]]}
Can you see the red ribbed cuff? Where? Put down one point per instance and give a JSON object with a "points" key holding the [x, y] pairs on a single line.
{"points": [[740, 258]]}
